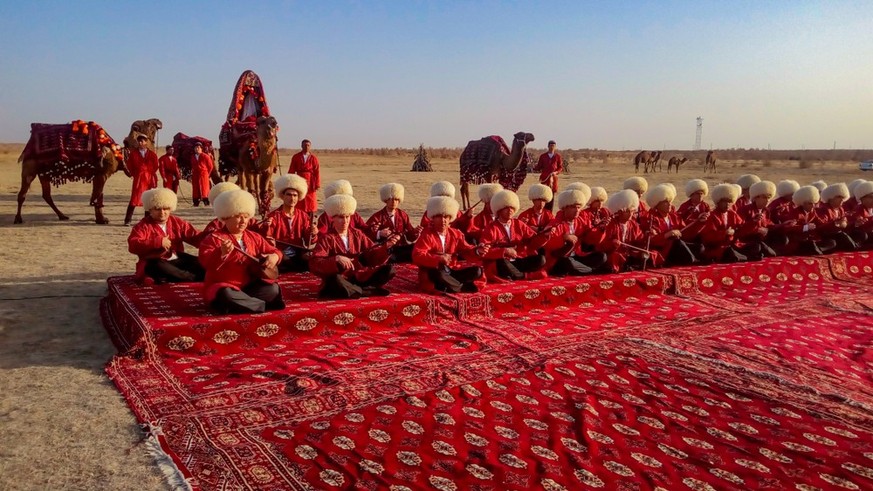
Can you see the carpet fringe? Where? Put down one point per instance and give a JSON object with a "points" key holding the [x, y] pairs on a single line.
{"points": [[172, 474]]}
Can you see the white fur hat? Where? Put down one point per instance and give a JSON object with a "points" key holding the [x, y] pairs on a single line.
{"points": [[340, 186], [834, 190], [854, 183], [597, 194], [340, 204], [696, 185], [442, 205], [578, 185], [636, 183], [291, 181], [659, 193], [391, 190], [863, 189], [488, 190], [806, 194], [571, 197], [442, 188], [763, 187], [787, 188], [745, 181], [722, 191], [820, 185], [626, 199], [504, 198], [159, 198], [540, 191], [234, 202], [220, 188]]}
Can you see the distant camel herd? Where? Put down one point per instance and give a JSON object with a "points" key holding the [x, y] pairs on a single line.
{"points": [[651, 161]]}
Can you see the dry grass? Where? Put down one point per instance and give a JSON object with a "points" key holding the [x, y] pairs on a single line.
{"points": [[62, 423]]}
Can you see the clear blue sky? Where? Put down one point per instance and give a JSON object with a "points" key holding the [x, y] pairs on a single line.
{"points": [[616, 75]]}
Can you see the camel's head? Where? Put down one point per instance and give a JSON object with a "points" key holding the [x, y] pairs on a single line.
{"points": [[268, 126], [149, 128], [523, 137]]}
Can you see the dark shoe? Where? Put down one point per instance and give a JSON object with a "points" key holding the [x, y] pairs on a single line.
{"points": [[375, 291], [206, 202], [196, 203], [469, 288]]}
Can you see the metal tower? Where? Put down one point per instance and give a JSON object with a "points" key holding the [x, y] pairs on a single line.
{"points": [[699, 133]]}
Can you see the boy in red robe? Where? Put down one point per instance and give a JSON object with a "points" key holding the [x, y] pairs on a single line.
{"points": [[514, 252], [719, 235], [549, 165], [348, 262], [834, 219], [484, 218], [537, 216], [758, 231], [802, 225], [565, 249], [861, 219], [233, 258], [202, 167], [142, 164], [621, 238], [340, 186], [438, 251], [669, 233], [305, 164], [594, 212], [391, 220], [781, 207], [169, 169], [289, 227], [745, 183], [638, 185], [158, 241]]}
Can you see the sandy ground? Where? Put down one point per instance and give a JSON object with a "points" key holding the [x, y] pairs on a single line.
{"points": [[62, 423]]}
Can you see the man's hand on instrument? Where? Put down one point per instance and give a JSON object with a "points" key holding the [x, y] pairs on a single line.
{"points": [[393, 240], [166, 243], [444, 259], [271, 240], [763, 231], [272, 260], [226, 247], [385, 232], [483, 249], [345, 263], [571, 238], [703, 217], [510, 252], [672, 234], [730, 231]]}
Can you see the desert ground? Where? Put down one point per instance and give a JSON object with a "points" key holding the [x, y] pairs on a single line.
{"points": [[62, 423]]}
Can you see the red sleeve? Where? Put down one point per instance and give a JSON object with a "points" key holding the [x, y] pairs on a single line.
{"points": [[323, 262], [423, 251], [143, 241], [209, 253], [187, 232], [559, 163], [316, 174]]}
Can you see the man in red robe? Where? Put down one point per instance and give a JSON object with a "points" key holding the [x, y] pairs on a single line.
{"points": [[861, 219], [439, 249], [802, 224], [391, 220], [202, 167], [480, 221], [514, 253], [348, 262], [668, 232], [169, 169], [549, 165], [305, 164], [757, 230], [567, 250], [834, 219], [537, 216], [142, 164], [340, 186], [719, 235], [290, 228], [621, 238]]}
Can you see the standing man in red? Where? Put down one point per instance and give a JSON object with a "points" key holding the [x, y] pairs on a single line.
{"points": [[549, 165], [142, 164], [305, 164], [169, 169], [202, 167]]}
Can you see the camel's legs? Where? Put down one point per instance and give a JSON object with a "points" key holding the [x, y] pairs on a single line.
{"points": [[47, 196], [97, 198], [26, 180], [465, 195]]}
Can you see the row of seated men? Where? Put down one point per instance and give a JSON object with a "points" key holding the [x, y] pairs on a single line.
{"points": [[457, 251]]}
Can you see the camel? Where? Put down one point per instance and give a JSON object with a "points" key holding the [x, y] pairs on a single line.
{"points": [[655, 160], [675, 162], [258, 160], [709, 163], [88, 154], [490, 160], [148, 127], [646, 158]]}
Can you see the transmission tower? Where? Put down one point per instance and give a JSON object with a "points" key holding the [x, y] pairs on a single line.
{"points": [[699, 133]]}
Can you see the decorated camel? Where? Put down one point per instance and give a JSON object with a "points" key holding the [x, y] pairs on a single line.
{"points": [[59, 153], [248, 140], [491, 160], [709, 162], [675, 162], [147, 127]]}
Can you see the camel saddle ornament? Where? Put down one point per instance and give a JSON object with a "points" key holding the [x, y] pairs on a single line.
{"points": [[74, 150]]}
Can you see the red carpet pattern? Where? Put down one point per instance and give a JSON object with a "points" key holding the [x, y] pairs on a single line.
{"points": [[731, 376]]}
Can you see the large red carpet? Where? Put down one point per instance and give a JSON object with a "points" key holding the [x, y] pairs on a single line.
{"points": [[747, 376]]}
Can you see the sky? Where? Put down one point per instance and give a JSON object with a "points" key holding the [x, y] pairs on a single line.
{"points": [[350, 74]]}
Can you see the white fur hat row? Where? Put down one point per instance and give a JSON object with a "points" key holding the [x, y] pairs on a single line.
{"points": [[291, 181], [696, 186], [442, 205], [504, 198], [787, 187], [863, 189], [540, 191], [745, 181], [723, 191], [762, 188], [659, 193], [159, 198], [636, 183], [571, 197], [391, 190], [598, 194], [806, 194], [220, 188], [442, 188], [340, 186], [820, 185], [340, 204], [834, 190], [234, 202], [488, 190]]}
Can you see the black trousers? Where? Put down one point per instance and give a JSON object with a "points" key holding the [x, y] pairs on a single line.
{"points": [[757, 249], [680, 254], [401, 253], [185, 268], [455, 280], [515, 270], [338, 286], [595, 262], [257, 296], [844, 243], [294, 264]]}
